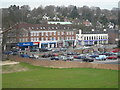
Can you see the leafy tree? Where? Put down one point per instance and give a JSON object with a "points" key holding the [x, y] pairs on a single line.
{"points": [[74, 13]]}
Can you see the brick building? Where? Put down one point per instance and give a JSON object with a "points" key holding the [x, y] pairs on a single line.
{"points": [[41, 35]]}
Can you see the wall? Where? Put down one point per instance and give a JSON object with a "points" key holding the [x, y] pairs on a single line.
{"points": [[63, 64]]}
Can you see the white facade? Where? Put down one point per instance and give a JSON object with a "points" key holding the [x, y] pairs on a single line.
{"points": [[90, 39]]}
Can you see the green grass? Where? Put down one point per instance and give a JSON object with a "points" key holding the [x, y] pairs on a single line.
{"points": [[40, 77]]}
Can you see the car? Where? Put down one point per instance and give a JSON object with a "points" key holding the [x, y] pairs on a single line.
{"points": [[112, 57], [79, 57], [8, 52], [25, 55], [70, 58], [64, 58], [34, 50], [118, 55], [88, 59], [55, 58], [43, 49], [15, 53], [101, 57], [63, 49], [94, 56]]}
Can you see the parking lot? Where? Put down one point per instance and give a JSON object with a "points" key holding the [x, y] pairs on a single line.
{"points": [[78, 54]]}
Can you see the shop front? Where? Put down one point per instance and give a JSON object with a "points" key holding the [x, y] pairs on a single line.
{"points": [[28, 45]]}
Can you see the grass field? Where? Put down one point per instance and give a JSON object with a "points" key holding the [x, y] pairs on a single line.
{"points": [[40, 77]]}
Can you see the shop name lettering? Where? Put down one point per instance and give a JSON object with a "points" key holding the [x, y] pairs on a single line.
{"points": [[26, 44]]}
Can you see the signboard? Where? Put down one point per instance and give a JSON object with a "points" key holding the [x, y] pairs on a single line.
{"points": [[27, 43]]}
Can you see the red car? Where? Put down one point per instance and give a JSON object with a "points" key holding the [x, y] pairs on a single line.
{"points": [[112, 57]]}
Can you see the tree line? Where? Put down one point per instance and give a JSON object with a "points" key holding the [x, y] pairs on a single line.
{"points": [[16, 14]]}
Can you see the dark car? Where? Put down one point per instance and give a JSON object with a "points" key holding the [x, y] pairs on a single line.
{"points": [[33, 50], [43, 50], [79, 57], [55, 58], [88, 59], [8, 52], [94, 56], [25, 55], [15, 53]]}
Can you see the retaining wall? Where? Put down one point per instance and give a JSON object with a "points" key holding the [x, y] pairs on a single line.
{"points": [[63, 64]]}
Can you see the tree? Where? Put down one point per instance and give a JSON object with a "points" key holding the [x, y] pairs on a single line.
{"points": [[74, 13]]}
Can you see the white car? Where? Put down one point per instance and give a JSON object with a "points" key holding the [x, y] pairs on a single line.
{"points": [[101, 57]]}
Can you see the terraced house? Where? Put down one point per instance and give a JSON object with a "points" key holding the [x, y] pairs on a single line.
{"points": [[27, 36]]}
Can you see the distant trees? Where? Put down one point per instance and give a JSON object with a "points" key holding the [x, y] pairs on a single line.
{"points": [[74, 13], [16, 14]]}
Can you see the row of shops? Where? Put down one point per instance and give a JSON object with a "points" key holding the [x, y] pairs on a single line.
{"points": [[56, 44], [47, 44], [91, 42]]}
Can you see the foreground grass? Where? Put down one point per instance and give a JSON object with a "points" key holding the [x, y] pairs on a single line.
{"points": [[40, 77]]}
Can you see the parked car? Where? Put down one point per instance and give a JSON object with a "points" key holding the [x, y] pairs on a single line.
{"points": [[94, 56], [79, 57], [43, 50], [70, 58], [88, 59], [118, 55], [63, 49], [112, 57], [101, 57], [25, 55], [8, 52], [34, 50], [64, 58], [55, 58]]}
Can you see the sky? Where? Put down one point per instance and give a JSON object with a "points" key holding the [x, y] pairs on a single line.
{"points": [[103, 4]]}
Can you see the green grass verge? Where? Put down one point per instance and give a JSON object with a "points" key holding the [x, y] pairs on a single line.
{"points": [[41, 77]]}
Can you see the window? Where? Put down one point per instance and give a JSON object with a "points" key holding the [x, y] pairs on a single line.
{"points": [[54, 33], [32, 27], [52, 27], [64, 27], [58, 33], [62, 33], [46, 33], [58, 38], [40, 27], [42, 33], [37, 28], [32, 34], [50, 33], [67, 33], [56, 27], [42, 38], [46, 38], [43, 27], [50, 38]]}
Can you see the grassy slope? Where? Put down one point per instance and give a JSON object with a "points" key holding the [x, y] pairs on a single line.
{"points": [[40, 77]]}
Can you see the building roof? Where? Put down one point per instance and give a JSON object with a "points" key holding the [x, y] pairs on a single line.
{"points": [[63, 23]]}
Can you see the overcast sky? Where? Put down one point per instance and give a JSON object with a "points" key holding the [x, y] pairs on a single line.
{"points": [[103, 4]]}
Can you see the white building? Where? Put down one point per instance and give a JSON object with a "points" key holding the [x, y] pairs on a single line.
{"points": [[90, 38]]}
